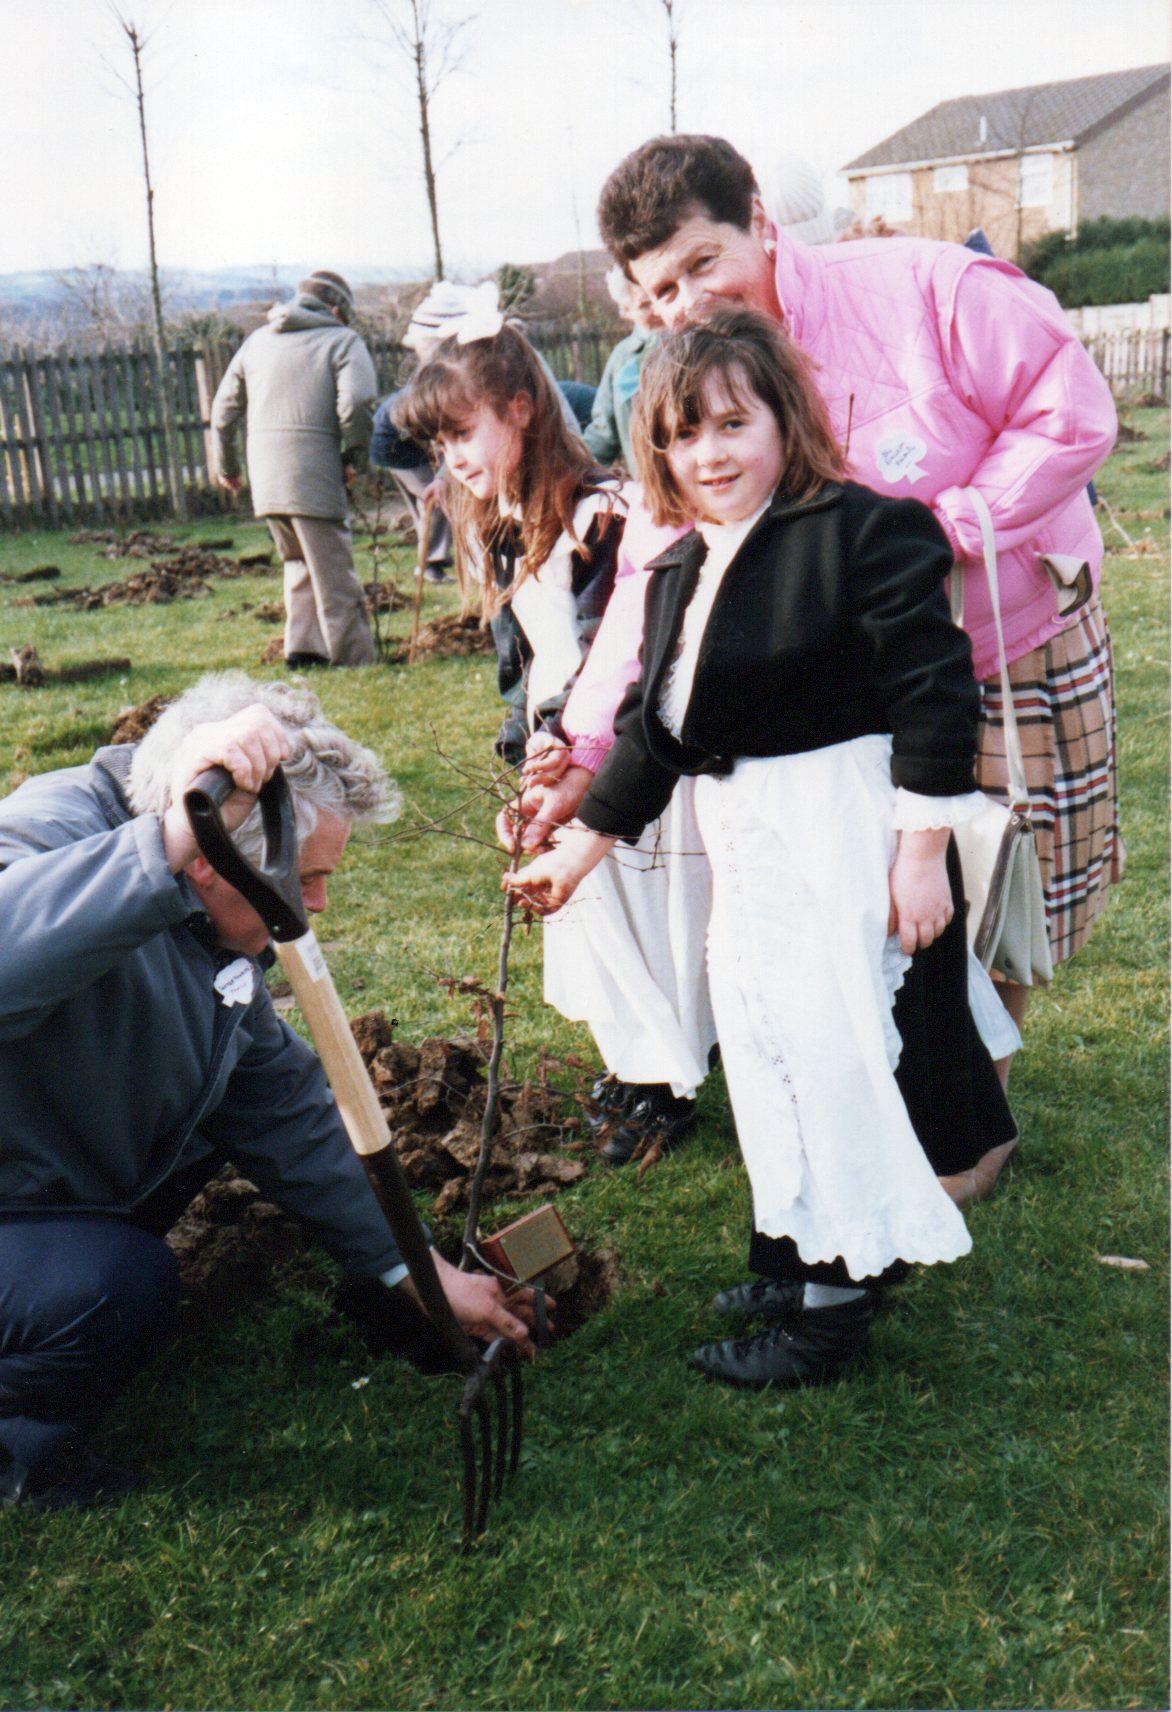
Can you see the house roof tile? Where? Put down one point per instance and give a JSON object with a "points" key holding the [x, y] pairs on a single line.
{"points": [[1014, 118]]}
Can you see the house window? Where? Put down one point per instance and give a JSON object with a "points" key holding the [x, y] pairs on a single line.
{"points": [[890, 194], [1035, 181], [946, 178]]}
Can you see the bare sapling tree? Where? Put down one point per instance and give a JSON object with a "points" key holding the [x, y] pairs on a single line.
{"points": [[671, 12], [430, 46], [137, 42]]}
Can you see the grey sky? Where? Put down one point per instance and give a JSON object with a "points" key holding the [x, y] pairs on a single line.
{"points": [[282, 131]]}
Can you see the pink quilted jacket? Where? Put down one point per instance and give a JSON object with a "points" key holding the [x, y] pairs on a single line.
{"points": [[942, 370]]}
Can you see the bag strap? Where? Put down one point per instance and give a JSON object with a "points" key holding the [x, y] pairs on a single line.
{"points": [[1013, 754]]}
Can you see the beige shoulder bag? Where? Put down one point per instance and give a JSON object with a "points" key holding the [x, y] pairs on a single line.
{"points": [[1002, 879]]}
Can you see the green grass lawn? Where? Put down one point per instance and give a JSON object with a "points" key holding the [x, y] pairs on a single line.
{"points": [[977, 1519]]}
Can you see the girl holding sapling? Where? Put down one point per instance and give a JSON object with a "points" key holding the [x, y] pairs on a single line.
{"points": [[543, 523], [803, 682]]}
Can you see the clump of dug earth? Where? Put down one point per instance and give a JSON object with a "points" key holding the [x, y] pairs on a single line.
{"points": [[230, 1242]]}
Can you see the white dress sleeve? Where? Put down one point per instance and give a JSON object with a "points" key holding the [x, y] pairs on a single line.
{"points": [[915, 812]]}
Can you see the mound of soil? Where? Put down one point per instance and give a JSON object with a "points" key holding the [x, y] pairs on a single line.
{"points": [[228, 1244], [38, 574], [28, 670], [174, 574], [384, 597], [454, 633], [230, 1241], [133, 723], [139, 544], [433, 1096]]}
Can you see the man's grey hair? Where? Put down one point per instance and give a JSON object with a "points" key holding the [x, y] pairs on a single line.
{"points": [[328, 772]]}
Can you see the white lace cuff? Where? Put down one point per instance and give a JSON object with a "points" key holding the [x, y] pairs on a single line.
{"points": [[917, 813]]}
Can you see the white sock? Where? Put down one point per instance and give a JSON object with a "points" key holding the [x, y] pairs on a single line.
{"points": [[830, 1295]]}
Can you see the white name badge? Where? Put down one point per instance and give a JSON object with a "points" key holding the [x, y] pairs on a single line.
{"points": [[236, 982], [899, 455]]}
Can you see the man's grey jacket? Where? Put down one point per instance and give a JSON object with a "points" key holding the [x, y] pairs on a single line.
{"points": [[118, 1058], [309, 388]]}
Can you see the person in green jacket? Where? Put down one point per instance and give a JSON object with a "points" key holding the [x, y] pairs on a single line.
{"points": [[608, 433]]}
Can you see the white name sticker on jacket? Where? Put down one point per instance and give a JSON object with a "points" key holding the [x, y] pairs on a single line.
{"points": [[899, 455], [235, 982]]}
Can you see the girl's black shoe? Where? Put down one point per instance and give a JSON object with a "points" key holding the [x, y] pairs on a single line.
{"points": [[819, 1345], [656, 1117], [762, 1299], [609, 1100]]}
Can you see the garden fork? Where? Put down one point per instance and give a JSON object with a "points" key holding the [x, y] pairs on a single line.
{"points": [[273, 888]]}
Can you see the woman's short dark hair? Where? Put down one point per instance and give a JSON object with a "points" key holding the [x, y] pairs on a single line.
{"points": [[650, 194]]}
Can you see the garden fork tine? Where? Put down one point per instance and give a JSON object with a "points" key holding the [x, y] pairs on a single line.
{"points": [[484, 1476], [274, 889]]}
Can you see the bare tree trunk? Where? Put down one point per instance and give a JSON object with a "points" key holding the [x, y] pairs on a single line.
{"points": [[497, 1011], [419, 50], [673, 42], [174, 473], [430, 45]]}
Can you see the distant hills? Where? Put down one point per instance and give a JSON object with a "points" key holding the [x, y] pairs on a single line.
{"points": [[189, 288]]}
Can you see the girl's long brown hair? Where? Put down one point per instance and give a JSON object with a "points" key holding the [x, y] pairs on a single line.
{"points": [[746, 351], [554, 469]]}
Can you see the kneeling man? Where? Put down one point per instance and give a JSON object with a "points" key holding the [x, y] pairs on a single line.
{"points": [[139, 1050]]}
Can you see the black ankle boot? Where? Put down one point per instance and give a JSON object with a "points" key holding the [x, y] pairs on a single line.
{"points": [[819, 1345], [656, 1117], [762, 1299], [610, 1100]]}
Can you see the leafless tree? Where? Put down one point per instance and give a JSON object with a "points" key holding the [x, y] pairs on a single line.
{"points": [[432, 49], [137, 43], [102, 304]]}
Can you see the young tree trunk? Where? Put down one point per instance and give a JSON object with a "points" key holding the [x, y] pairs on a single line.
{"points": [[166, 397], [673, 42], [420, 53]]}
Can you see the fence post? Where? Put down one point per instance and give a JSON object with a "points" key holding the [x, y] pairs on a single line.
{"points": [[36, 438]]}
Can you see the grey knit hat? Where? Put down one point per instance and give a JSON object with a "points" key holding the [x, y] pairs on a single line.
{"points": [[329, 288]]}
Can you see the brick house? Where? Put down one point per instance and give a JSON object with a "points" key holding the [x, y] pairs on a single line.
{"points": [[1020, 162]]}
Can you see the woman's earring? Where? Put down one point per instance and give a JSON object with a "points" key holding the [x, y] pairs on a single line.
{"points": [[769, 245]]}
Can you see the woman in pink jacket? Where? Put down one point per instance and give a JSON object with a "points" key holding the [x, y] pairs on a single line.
{"points": [[943, 370]]}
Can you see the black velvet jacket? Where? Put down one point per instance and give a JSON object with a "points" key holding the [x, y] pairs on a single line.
{"points": [[832, 622]]}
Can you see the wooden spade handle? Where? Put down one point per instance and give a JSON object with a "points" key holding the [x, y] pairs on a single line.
{"points": [[305, 967]]}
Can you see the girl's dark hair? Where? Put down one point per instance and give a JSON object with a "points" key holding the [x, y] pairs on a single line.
{"points": [[653, 191], [555, 467], [752, 355]]}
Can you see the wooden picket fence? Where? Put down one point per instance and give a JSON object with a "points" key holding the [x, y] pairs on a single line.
{"points": [[81, 438], [1135, 360], [80, 434]]}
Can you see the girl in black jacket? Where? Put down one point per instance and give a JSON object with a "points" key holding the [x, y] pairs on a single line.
{"points": [[803, 678]]}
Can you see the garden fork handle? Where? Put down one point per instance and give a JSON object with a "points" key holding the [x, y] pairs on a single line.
{"points": [[366, 1125], [274, 890]]}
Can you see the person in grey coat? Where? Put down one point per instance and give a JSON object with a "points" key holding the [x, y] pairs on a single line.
{"points": [[139, 1051], [308, 385]]}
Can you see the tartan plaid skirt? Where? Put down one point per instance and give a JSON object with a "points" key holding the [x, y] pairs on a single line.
{"points": [[1064, 694]]}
